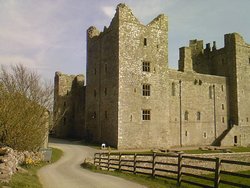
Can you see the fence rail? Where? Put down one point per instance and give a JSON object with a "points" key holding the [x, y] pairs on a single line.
{"points": [[172, 167]]}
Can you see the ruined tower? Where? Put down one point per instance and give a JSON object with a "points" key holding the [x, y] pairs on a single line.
{"points": [[69, 106]]}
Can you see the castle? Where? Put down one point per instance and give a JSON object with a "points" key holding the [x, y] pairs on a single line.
{"points": [[132, 99]]}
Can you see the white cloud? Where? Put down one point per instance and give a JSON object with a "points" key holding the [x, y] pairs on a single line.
{"points": [[108, 11], [17, 59]]}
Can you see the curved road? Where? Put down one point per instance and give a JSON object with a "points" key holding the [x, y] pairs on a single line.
{"points": [[67, 172]]}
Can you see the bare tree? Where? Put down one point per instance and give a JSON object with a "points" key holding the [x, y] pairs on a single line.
{"points": [[25, 101]]}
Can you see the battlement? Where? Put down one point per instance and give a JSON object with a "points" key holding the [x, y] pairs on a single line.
{"points": [[125, 14]]}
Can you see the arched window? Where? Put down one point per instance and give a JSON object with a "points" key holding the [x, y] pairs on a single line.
{"points": [[173, 89], [198, 115], [186, 115]]}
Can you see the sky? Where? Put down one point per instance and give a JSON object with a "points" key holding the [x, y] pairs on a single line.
{"points": [[50, 35]]}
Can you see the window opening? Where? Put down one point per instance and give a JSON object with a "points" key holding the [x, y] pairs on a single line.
{"points": [[145, 41], [146, 115], [146, 66], [205, 135], [235, 139], [198, 116], [146, 90], [186, 133], [173, 89], [186, 116]]}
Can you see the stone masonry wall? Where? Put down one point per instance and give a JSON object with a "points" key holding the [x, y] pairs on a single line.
{"points": [[137, 44], [69, 105]]}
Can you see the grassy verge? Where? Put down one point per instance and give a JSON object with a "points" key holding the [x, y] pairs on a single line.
{"points": [[141, 179], [29, 178], [233, 149], [163, 182]]}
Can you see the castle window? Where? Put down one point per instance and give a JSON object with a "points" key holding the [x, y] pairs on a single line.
{"points": [[106, 68], [146, 115], [146, 66], [210, 92], [222, 88], [235, 140], [204, 135], [198, 115], [67, 92], [131, 118], [200, 82], [94, 93], [146, 90], [186, 133], [186, 116], [173, 89], [195, 82], [247, 119], [249, 60], [106, 115], [105, 91], [145, 41], [222, 106], [223, 120]]}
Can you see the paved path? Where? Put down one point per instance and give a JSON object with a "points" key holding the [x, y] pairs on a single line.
{"points": [[67, 173]]}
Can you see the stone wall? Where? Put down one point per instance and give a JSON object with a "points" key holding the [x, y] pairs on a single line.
{"points": [[11, 159]]}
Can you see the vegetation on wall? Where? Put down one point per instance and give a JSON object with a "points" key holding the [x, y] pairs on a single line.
{"points": [[25, 102]]}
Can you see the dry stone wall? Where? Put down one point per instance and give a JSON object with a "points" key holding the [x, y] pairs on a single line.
{"points": [[11, 159]]}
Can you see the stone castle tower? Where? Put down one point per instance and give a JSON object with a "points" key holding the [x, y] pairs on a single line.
{"points": [[69, 105], [134, 100]]}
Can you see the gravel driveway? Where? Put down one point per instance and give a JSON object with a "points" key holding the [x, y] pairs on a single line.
{"points": [[67, 173]]}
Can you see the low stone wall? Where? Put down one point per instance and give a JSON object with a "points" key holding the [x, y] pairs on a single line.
{"points": [[11, 159]]}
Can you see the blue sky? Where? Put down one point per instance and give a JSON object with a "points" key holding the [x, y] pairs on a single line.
{"points": [[50, 35]]}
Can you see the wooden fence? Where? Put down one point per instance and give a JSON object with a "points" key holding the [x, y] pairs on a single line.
{"points": [[177, 167]]}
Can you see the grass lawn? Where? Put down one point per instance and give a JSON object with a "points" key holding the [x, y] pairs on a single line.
{"points": [[29, 178], [163, 182], [233, 149]]}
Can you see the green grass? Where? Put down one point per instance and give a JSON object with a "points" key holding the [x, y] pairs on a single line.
{"points": [[30, 179], [141, 179], [234, 179], [240, 149], [233, 149]]}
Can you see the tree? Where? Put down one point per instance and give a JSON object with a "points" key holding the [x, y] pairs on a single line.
{"points": [[25, 101]]}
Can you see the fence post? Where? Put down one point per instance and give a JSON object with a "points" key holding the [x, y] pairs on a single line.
{"points": [[179, 169], [153, 164], [217, 172], [108, 159], [100, 155], [120, 160], [135, 163]]}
